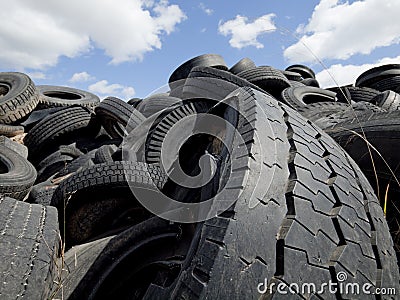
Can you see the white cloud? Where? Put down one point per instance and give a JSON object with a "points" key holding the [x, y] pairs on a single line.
{"points": [[206, 10], [244, 33], [339, 30], [34, 34], [347, 74], [81, 77], [36, 75], [104, 88]]}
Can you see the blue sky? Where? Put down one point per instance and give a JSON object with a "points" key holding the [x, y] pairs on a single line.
{"points": [[128, 48]]}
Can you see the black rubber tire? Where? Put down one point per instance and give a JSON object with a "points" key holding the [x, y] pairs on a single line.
{"points": [[358, 109], [16, 147], [134, 102], [60, 128], [298, 97], [388, 100], [115, 115], [42, 193], [29, 249], [205, 60], [303, 70], [267, 78], [318, 110], [292, 76], [91, 200], [296, 83], [211, 83], [310, 82], [62, 96], [78, 164], [242, 65], [382, 132], [11, 130], [386, 84], [318, 217], [18, 96], [155, 138], [37, 115], [156, 103], [374, 75], [104, 154], [17, 174], [56, 162], [122, 266], [356, 94]]}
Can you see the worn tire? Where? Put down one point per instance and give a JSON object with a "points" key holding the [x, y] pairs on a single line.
{"points": [[116, 114], [206, 60], [60, 128], [29, 249], [211, 83], [318, 110], [310, 82], [242, 65], [267, 78], [56, 162], [374, 75], [90, 201], [17, 174], [356, 94], [11, 130], [317, 217], [62, 96], [387, 100], [42, 193], [16, 147], [298, 97], [390, 83], [105, 269], [303, 70], [104, 154], [156, 103], [19, 96]]}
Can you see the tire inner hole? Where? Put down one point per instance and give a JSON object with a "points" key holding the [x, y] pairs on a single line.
{"points": [[62, 95]]}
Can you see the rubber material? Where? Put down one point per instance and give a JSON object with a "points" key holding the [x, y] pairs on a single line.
{"points": [[319, 215], [19, 96], [94, 197], [301, 96], [29, 248], [17, 174], [62, 96], [267, 78], [156, 103], [60, 128], [115, 115], [205, 60], [242, 65], [303, 70]]}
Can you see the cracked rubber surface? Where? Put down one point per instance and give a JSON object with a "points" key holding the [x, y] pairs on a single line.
{"points": [[28, 248], [319, 216]]}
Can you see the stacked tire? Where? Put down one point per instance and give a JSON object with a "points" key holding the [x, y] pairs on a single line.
{"points": [[236, 178]]}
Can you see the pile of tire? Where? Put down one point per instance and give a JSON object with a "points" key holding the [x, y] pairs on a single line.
{"points": [[241, 182]]}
